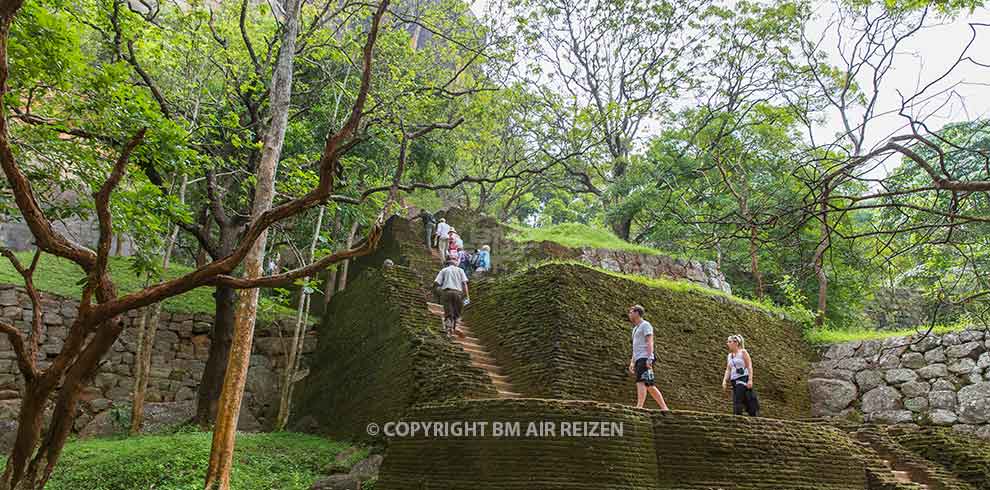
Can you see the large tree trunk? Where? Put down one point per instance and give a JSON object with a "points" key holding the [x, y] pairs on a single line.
{"points": [[29, 425], [222, 451], [210, 386]]}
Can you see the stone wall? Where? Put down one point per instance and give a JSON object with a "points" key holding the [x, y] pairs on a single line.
{"points": [[508, 255], [941, 380], [181, 347], [682, 450]]}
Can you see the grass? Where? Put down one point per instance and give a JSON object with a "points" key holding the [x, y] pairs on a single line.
{"points": [[577, 235], [670, 284], [275, 461], [842, 335], [60, 276]]}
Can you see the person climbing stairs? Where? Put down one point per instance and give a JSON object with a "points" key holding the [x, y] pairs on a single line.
{"points": [[480, 356]]}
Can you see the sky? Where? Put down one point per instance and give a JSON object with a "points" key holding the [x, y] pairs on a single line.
{"points": [[923, 58]]}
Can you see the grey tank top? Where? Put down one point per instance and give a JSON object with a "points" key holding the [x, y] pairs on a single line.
{"points": [[736, 362]]}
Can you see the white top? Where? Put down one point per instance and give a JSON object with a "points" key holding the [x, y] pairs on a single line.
{"points": [[451, 277], [443, 229]]}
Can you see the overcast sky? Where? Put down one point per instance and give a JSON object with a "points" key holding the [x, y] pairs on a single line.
{"points": [[922, 59]]}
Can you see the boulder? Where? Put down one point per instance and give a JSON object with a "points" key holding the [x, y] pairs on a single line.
{"points": [[880, 399], [899, 376], [367, 468], [942, 417], [867, 380], [842, 351], [337, 482], [974, 403], [984, 361], [942, 400], [951, 338], [830, 396], [913, 360], [971, 335], [969, 349], [944, 384], [925, 342], [853, 364], [934, 371], [892, 417], [917, 404], [915, 388], [962, 366], [935, 355]]}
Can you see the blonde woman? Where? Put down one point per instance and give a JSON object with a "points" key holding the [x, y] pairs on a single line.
{"points": [[739, 372]]}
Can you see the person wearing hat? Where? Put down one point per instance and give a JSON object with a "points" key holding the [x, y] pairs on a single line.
{"points": [[453, 286]]}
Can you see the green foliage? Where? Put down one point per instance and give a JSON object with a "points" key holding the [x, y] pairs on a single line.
{"points": [[831, 335], [283, 461], [62, 277]]}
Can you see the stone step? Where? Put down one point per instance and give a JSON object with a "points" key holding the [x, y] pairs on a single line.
{"points": [[508, 394], [491, 368]]}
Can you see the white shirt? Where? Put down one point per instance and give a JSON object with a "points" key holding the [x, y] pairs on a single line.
{"points": [[451, 277], [443, 229]]}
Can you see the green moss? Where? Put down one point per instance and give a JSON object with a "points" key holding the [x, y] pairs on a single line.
{"points": [[285, 461], [577, 235], [560, 331], [62, 277], [380, 351], [838, 336], [965, 456], [681, 450]]}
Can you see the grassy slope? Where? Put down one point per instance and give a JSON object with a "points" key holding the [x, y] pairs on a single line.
{"points": [[576, 235], [60, 276], [838, 336], [283, 461]]}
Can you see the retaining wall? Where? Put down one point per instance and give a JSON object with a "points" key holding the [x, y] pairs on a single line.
{"points": [[682, 450], [941, 380], [561, 331], [181, 347]]}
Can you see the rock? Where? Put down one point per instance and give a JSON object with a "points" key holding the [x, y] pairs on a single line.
{"points": [[983, 432], [935, 355], [869, 349], [100, 404], [830, 396], [942, 417], [943, 384], [882, 398], [867, 380], [971, 335], [9, 395], [891, 417], [913, 360], [965, 429], [890, 360], [917, 404], [337, 482], [367, 468], [915, 388], [853, 364], [951, 338], [984, 361], [8, 297], [8, 433], [974, 403], [942, 400], [842, 351], [899, 376], [962, 366], [974, 377], [934, 371], [925, 343], [969, 349]]}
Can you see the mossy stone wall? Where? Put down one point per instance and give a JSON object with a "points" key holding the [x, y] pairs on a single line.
{"points": [[963, 455], [560, 331], [379, 353], [679, 451]]}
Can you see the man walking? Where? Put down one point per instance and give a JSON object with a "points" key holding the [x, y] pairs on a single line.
{"points": [[429, 223], [641, 363], [453, 286], [443, 229]]}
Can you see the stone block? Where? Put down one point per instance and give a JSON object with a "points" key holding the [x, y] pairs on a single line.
{"points": [[962, 366], [943, 400], [829, 397], [915, 388], [934, 371], [913, 360], [899, 376], [943, 417], [867, 380], [881, 398], [974, 403], [968, 349]]}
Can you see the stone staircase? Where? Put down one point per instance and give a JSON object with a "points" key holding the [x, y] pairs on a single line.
{"points": [[481, 358]]}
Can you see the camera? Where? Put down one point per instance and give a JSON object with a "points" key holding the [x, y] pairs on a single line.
{"points": [[740, 370]]}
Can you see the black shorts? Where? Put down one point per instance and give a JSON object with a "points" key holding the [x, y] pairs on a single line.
{"points": [[641, 368]]}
